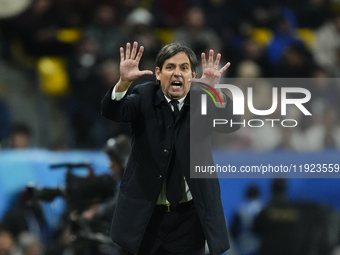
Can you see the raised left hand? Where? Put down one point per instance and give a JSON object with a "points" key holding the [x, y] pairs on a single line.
{"points": [[211, 70], [211, 75]]}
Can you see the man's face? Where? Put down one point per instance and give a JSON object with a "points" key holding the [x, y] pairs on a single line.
{"points": [[175, 75]]}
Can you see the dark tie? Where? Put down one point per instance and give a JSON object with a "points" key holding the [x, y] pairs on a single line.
{"points": [[174, 176], [176, 110]]}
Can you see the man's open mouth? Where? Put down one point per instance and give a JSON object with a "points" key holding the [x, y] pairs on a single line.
{"points": [[176, 84]]}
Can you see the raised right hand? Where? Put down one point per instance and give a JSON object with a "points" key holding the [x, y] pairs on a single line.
{"points": [[129, 70]]}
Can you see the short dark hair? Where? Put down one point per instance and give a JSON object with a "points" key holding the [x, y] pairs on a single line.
{"points": [[252, 192], [21, 128], [118, 149], [171, 50], [279, 186]]}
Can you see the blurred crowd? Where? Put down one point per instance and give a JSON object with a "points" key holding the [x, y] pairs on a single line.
{"points": [[276, 225], [283, 225], [58, 58]]}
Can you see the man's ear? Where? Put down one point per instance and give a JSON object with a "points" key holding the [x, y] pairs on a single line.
{"points": [[157, 72], [193, 75]]}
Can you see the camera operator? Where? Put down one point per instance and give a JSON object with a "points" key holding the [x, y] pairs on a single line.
{"points": [[118, 150], [100, 216], [83, 228], [85, 225], [26, 215]]}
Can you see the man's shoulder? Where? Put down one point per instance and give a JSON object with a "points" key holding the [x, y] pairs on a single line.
{"points": [[147, 88]]}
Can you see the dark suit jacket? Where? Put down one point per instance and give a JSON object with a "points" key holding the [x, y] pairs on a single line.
{"points": [[154, 135]]}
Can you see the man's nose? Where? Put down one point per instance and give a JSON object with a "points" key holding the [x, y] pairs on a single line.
{"points": [[178, 73]]}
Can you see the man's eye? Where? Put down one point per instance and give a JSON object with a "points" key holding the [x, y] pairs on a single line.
{"points": [[184, 68], [169, 67]]}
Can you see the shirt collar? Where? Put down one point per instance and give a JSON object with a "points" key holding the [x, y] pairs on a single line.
{"points": [[180, 101]]}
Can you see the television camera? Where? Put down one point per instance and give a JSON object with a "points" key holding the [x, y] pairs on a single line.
{"points": [[80, 193]]}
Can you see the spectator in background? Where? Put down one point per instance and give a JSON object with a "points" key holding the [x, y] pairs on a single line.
{"points": [[125, 8], [295, 228], [139, 27], [4, 47], [30, 244], [246, 241], [248, 69], [84, 101], [109, 72], [296, 62], [7, 244], [118, 149], [37, 29], [108, 77], [62, 241], [327, 44], [250, 51], [226, 20], [324, 134], [291, 140], [311, 13], [169, 13], [26, 216], [78, 12], [277, 232], [324, 93], [284, 36], [268, 136], [5, 118], [20, 136], [336, 68], [222, 16], [105, 31], [196, 34]]}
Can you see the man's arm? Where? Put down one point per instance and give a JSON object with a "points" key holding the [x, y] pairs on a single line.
{"points": [[129, 70], [210, 73], [211, 76], [116, 105]]}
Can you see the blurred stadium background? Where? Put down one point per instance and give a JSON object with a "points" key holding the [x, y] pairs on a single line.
{"points": [[59, 57]]}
